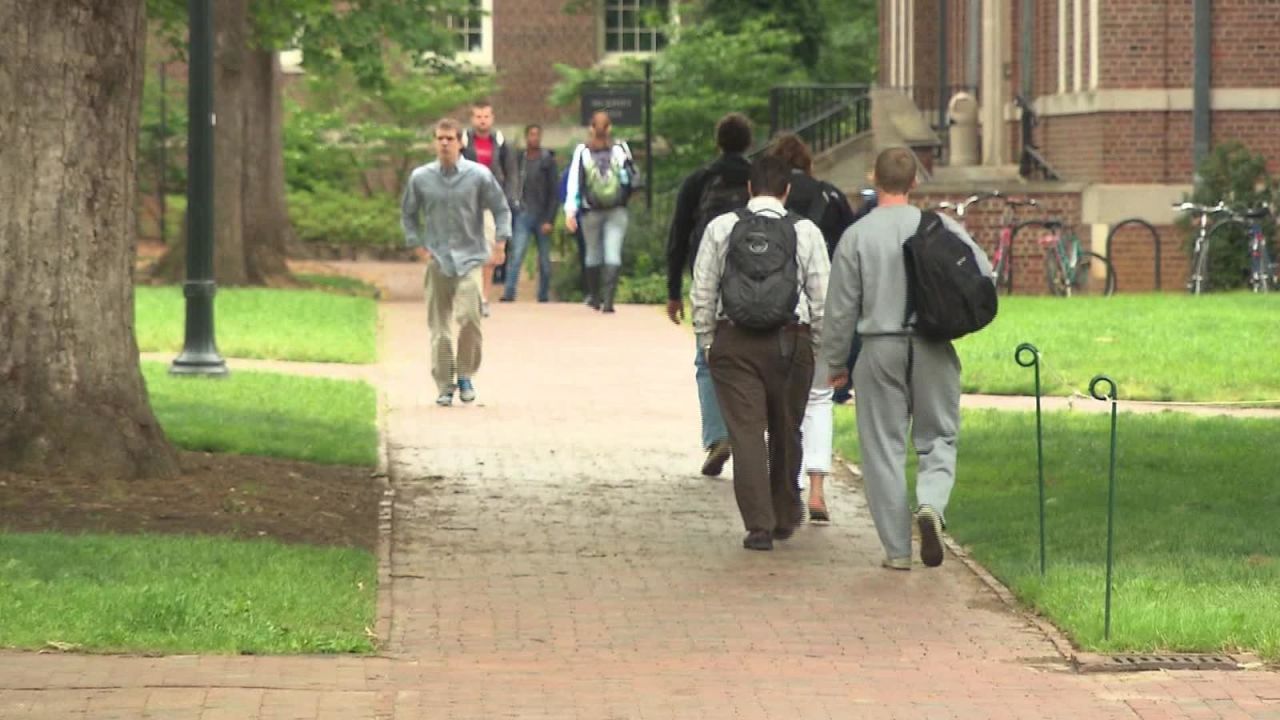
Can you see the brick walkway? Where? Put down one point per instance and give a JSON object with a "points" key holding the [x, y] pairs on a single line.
{"points": [[556, 555]]}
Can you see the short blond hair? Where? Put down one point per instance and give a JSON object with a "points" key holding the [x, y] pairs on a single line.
{"points": [[895, 171], [450, 124]]}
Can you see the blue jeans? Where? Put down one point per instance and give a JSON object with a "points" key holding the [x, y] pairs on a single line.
{"points": [[713, 428], [604, 231], [524, 226]]}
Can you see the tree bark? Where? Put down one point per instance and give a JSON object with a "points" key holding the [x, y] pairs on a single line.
{"points": [[231, 36], [252, 228], [72, 398], [267, 230]]}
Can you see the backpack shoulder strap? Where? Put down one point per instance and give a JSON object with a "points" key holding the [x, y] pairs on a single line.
{"points": [[742, 213]]}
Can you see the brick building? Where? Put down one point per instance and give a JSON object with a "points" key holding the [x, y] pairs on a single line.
{"points": [[1111, 84], [520, 41]]}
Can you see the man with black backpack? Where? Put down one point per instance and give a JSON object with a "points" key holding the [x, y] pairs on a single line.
{"points": [[909, 283], [707, 193], [759, 283]]}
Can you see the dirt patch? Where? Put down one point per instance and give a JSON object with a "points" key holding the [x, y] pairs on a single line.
{"points": [[243, 497]]}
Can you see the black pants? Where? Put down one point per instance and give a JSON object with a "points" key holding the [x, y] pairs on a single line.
{"points": [[762, 382]]}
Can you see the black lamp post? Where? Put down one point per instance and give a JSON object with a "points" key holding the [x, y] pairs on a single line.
{"points": [[200, 352]]}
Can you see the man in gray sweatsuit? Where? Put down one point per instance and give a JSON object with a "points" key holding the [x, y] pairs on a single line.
{"points": [[900, 379]]}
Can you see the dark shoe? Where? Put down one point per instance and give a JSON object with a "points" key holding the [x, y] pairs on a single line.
{"points": [[758, 540], [717, 455], [504, 298], [593, 287], [819, 515], [930, 536], [608, 287], [785, 531]]}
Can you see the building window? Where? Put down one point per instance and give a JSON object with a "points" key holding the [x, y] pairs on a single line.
{"points": [[635, 26], [475, 33]]}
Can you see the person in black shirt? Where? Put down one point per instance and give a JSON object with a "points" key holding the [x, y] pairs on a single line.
{"points": [[708, 192], [829, 209]]}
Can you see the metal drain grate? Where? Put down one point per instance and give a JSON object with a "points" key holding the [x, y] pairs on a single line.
{"points": [[1170, 662]]}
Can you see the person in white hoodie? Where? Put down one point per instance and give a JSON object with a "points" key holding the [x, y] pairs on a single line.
{"points": [[482, 144], [601, 176]]}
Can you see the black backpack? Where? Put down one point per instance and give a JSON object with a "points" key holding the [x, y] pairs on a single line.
{"points": [[760, 286], [946, 288], [720, 195]]}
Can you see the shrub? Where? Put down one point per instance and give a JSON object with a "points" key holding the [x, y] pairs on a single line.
{"points": [[346, 218]]}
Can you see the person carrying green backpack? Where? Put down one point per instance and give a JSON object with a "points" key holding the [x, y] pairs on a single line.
{"points": [[601, 177]]}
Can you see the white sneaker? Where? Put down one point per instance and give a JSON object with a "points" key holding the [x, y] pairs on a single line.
{"points": [[896, 563]]}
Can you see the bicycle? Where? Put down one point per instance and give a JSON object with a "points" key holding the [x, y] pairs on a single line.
{"points": [[1002, 257], [1069, 268], [1200, 251], [1262, 271]]}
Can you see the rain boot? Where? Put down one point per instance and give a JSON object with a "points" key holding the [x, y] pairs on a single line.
{"points": [[608, 287], [593, 287]]}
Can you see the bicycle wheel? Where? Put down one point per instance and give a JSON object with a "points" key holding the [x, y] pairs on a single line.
{"points": [[1093, 276], [1198, 282], [1004, 276]]}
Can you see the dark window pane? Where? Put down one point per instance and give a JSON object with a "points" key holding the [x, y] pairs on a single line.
{"points": [[629, 42], [613, 20], [612, 43]]}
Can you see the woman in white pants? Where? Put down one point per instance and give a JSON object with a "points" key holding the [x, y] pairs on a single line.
{"points": [[816, 431]]}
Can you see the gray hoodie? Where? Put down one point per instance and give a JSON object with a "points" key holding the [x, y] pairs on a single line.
{"points": [[868, 287]]}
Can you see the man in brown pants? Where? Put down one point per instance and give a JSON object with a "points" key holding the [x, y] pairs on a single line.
{"points": [[759, 284]]}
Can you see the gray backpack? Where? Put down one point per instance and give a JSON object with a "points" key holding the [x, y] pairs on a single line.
{"points": [[760, 286]]}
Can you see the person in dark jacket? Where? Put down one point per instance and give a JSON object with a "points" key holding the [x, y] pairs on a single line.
{"points": [[482, 144], [717, 188], [535, 212], [828, 208]]}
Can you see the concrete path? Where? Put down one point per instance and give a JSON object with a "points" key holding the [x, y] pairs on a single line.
{"points": [[556, 555]]}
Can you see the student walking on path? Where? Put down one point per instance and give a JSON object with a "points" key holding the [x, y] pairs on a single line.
{"points": [[600, 180], [758, 288], [443, 214], [488, 147], [707, 193], [533, 212], [828, 208], [901, 379]]}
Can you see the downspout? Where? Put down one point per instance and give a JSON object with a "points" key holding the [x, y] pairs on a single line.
{"points": [[1201, 110], [942, 66], [1027, 17]]}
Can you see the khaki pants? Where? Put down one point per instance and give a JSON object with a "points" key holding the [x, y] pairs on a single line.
{"points": [[449, 299]]}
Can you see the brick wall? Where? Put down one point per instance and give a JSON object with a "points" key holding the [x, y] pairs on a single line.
{"points": [[1132, 253], [529, 36], [1074, 145]]}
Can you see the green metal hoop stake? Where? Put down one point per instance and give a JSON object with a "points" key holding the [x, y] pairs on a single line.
{"points": [[1111, 490], [1027, 355]]}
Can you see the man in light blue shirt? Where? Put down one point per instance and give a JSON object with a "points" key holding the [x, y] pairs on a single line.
{"points": [[451, 195]]}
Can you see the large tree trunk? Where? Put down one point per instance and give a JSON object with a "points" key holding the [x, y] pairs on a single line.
{"points": [[252, 229], [231, 36], [72, 395], [266, 217]]}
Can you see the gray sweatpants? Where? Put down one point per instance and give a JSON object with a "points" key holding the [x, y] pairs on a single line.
{"points": [[887, 403]]}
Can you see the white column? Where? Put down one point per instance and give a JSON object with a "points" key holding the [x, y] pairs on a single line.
{"points": [[1062, 46], [1077, 46], [911, 42], [1095, 42], [994, 37]]}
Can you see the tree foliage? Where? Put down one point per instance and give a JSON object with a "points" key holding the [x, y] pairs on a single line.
{"points": [[803, 19], [703, 74]]}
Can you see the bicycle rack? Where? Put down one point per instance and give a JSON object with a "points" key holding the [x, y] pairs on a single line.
{"points": [[1155, 240], [1013, 241]]}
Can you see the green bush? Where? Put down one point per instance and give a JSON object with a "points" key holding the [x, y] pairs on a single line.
{"points": [[1235, 174], [346, 218]]}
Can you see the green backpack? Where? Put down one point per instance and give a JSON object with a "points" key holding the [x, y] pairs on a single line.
{"points": [[603, 189]]}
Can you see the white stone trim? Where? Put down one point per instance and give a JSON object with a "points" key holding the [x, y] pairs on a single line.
{"points": [[1106, 204], [1062, 46], [1149, 100], [1095, 41], [1077, 45]]}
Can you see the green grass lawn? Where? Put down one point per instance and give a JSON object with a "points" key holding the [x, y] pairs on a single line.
{"points": [[171, 593], [183, 594], [300, 325], [1220, 347], [1197, 558], [249, 413]]}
